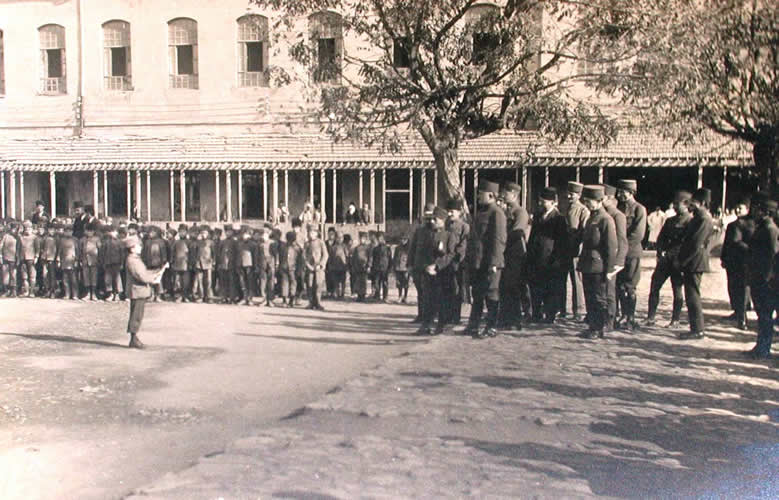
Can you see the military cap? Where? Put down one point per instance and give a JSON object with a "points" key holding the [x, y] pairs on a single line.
{"points": [[627, 184], [131, 241], [549, 193], [575, 187], [681, 196], [440, 213], [702, 195], [609, 190], [133, 225], [488, 186], [512, 187], [592, 192], [429, 210], [183, 227], [454, 204], [291, 236], [217, 231]]}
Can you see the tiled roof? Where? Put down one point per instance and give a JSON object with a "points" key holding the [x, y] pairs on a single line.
{"points": [[500, 150]]}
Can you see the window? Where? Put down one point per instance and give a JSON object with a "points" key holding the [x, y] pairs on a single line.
{"points": [[327, 37], [2, 65], [252, 51], [401, 56], [182, 53], [116, 55], [52, 45]]}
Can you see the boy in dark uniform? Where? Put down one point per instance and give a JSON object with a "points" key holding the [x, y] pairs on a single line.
{"points": [[263, 268], [68, 259], [48, 258], [244, 262], [348, 248], [360, 264], [400, 268], [9, 246], [381, 256], [329, 282], [290, 266], [112, 256], [204, 264], [179, 263], [89, 252], [29, 251], [154, 256], [337, 263], [315, 257]]}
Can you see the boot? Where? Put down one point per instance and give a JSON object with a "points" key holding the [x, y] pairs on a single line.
{"points": [[135, 342]]}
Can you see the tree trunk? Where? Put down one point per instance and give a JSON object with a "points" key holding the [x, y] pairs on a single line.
{"points": [[449, 171], [766, 155]]}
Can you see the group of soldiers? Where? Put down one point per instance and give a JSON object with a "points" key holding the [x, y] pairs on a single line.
{"points": [[518, 268]]}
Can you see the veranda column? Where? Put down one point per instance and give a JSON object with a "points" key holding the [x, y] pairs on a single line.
{"points": [[265, 194], [217, 201], [423, 190], [525, 190], [435, 186], [600, 175], [578, 174], [384, 197], [322, 186], [373, 196], [335, 194], [724, 188], [95, 192], [172, 197], [138, 193], [700, 177], [21, 194], [52, 194], [359, 183], [240, 194], [105, 193], [148, 195], [275, 205], [475, 188], [546, 176], [2, 193], [12, 193], [183, 194], [129, 193], [286, 189], [229, 194], [411, 195], [311, 185]]}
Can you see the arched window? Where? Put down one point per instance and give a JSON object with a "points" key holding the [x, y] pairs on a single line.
{"points": [[253, 51], [116, 55], [182, 53], [2, 64], [326, 33], [52, 46]]}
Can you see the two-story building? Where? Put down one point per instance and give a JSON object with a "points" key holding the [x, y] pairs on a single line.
{"points": [[165, 111]]}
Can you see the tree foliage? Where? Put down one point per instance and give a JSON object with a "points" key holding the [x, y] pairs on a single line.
{"points": [[697, 66], [448, 71]]}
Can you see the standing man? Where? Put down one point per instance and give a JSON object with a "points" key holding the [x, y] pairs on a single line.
{"points": [[610, 204], [734, 259], [515, 291], [546, 258], [138, 280], [694, 260], [763, 279], [39, 215], [597, 259], [575, 218], [628, 278], [415, 255], [315, 256], [461, 230], [486, 246], [669, 241], [435, 272]]}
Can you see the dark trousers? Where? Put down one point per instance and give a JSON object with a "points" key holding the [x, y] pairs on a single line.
{"points": [[692, 296], [485, 289], [49, 274], [738, 291], [611, 303], [416, 276], [511, 298], [766, 301], [113, 282], [266, 279], [662, 272], [381, 284], [627, 282], [401, 281], [181, 283], [203, 282], [437, 297], [137, 307], [360, 284], [226, 284], [577, 291], [596, 293], [546, 294], [339, 283], [245, 278]]}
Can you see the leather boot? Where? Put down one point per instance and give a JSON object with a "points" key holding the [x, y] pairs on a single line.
{"points": [[135, 342]]}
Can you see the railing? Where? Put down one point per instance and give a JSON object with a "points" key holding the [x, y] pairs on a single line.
{"points": [[53, 86]]}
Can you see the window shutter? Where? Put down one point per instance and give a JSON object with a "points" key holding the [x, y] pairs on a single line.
{"points": [[243, 63], [172, 62], [44, 63], [64, 88], [109, 71], [265, 55], [129, 60], [194, 60]]}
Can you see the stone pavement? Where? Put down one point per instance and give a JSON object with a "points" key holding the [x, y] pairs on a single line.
{"points": [[537, 413]]}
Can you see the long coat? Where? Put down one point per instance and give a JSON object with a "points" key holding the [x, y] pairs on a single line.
{"points": [[694, 252], [487, 241], [599, 244], [548, 244]]}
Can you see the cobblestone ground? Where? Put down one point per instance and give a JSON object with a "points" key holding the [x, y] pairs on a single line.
{"points": [[537, 413]]}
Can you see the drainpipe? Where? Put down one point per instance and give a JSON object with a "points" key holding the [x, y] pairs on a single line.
{"points": [[79, 105]]}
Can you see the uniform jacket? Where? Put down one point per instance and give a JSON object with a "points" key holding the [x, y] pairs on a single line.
{"points": [[670, 238], [415, 249], [400, 259], [68, 252], [694, 252], [337, 259], [360, 260], [763, 250], [516, 216], [10, 248], [90, 250], [381, 257], [635, 221], [112, 253], [599, 244], [244, 253], [267, 258], [291, 258], [576, 218], [179, 255], [735, 247], [487, 241], [225, 254], [547, 246], [29, 247], [138, 278], [204, 254], [48, 248], [155, 252], [461, 231], [516, 250], [620, 225], [315, 255]]}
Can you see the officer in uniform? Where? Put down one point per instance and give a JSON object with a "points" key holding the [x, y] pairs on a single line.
{"points": [[546, 257], [628, 278], [515, 290], [735, 250], [764, 273], [461, 230], [576, 217], [694, 260], [596, 261], [669, 241], [415, 256], [486, 246], [610, 204], [436, 272]]}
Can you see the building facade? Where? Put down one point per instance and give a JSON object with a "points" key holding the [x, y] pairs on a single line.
{"points": [[165, 111]]}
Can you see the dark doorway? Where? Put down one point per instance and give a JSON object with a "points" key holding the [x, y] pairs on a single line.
{"points": [[253, 199]]}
